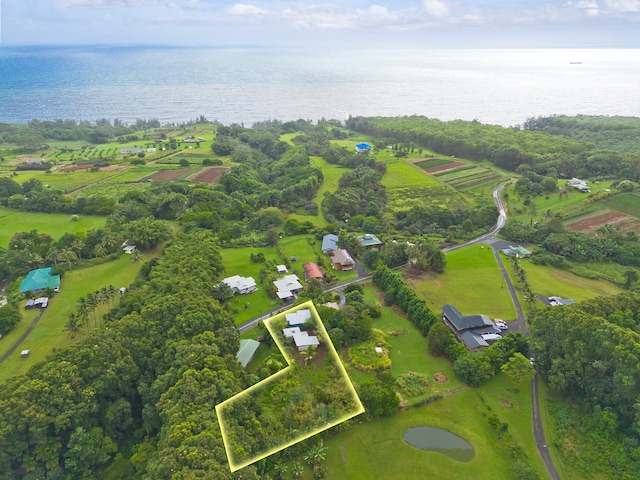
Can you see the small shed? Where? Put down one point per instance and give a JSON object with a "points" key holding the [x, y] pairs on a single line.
{"points": [[281, 268], [248, 349], [129, 249], [25, 353]]}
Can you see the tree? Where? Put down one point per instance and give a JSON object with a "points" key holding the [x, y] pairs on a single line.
{"points": [[297, 469], [316, 454], [519, 369], [9, 318], [222, 292], [378, 399], [73, 325], [272, 237], [439, 338], [630, 276]]}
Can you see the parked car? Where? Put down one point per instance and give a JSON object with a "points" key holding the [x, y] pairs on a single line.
{"points": [[502, 326]]}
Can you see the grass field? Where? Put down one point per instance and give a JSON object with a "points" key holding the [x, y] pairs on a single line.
{"points": [[53, 224], [550, 281], [376, 450], [66, 181], [436, 162], [628, 203], [48, 333], [472, 283], [401, 173]]}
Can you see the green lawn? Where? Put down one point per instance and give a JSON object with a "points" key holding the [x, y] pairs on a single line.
{"points": [[401, 173], [376, 450], [550, 281], [407, 351], [54, 224], [472, 282], [48, 333]]}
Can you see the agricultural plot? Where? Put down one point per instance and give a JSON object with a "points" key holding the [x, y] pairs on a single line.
{"points": [[590, 223], [208, 175], [290, 405], [628, 203], [65, 181]]}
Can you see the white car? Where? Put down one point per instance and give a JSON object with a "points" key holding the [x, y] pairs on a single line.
{"points": [[502, 326]]}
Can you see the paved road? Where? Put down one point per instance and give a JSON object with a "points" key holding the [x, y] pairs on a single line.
{"points": [[538, 432]]}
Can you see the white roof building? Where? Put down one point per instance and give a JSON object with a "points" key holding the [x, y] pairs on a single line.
{"points": [[290, 332], [303, 341], [241, 285], [287, 286], [298, 318], [281, 268]]}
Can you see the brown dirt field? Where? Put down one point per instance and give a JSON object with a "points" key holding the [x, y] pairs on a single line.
{"points": [[208, 175], [445, 167], [591, 224], [440, 378], [635, 226], [168, 174]]}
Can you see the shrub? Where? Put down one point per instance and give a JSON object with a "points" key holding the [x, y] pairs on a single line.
{"points": [[413, 383], [364, 357]]}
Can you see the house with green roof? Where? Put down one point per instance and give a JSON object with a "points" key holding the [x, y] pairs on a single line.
{"points": [[248, 349], [369, 240], [40, 279]]}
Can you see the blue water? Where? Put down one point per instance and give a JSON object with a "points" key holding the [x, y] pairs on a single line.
{"points": [[253, 84]]}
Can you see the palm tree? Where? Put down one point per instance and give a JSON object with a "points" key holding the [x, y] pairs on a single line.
{"points": [[77, 246], [529, 297], [92, 301], [100, 251], [316, 454], [73, 325], [136, 256], [53, 255], [82, 310], [112, 293], [280, 470], [297, 470]]}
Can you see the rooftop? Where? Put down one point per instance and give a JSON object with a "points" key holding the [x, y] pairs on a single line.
{"points": [[247, 350]]}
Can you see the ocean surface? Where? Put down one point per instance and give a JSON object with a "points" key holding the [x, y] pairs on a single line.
{"points": [[246, 85]]}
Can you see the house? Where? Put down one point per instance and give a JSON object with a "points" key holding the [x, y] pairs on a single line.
{"points": [[40, 279], [36, 161], [248, 349], [241, 285], [129, 249], [311, 270], [287, 286], [555, 301], [341, 260], [363, 148], [518, 252], [281, 268], [303, 341], [131, 150], [151, 150], [290, 332], [368, 240], [469, 329], [41, 302], [298, 318], [579, 185], [329, 243]]}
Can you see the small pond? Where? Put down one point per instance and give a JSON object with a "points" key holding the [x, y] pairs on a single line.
{"points": [[438, 440]]}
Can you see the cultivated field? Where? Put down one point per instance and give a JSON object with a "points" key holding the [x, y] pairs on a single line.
{"points": [[208, 175]]}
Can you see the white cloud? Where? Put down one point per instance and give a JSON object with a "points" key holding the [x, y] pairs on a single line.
{"points": [[589, 7], [436, 8], [623, 6], [245, 10]]}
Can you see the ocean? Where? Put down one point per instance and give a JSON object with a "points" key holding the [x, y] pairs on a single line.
{"points": [[247, 85]]}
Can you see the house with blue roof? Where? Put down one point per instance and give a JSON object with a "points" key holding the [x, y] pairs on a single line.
{"points": [[363, 148], [40, 279], [329, 243]]}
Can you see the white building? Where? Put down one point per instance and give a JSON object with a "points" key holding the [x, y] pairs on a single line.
{"points": [[287, 286], [241, 285], [298, 318]]}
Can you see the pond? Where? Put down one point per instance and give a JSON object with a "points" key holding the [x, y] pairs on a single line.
{"points": [[438, 440]]}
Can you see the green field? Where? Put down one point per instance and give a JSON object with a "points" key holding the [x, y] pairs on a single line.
{"points": [[436, 162], [376, 450], [53, 224], [48, 333], [453, 173], [549, 281], [472, 283], [628, 203], [401, 173], [66, 181]]}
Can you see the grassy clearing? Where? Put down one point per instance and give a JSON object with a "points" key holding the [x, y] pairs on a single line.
{"points": [[376, 450], [628, 203], [48, 333], [53, 224], [550, 281], [401, 173], [66, 181], [472, 283]]}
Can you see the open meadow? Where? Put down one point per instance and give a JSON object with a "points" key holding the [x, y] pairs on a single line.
{"points": [[376, 449], [472, 282], [54, 224]]}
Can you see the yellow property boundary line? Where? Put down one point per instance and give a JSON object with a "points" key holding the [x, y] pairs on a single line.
{"points": [[324, 338]]}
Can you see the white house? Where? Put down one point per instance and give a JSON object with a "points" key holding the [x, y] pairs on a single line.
{"points": [[241, 285], [290, 332], [298, 318], [281, 268], [303, 341], [129, 249], [287, 286]]}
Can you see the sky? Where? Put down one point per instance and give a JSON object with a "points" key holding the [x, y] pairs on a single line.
{"points": [[353, 23]]}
